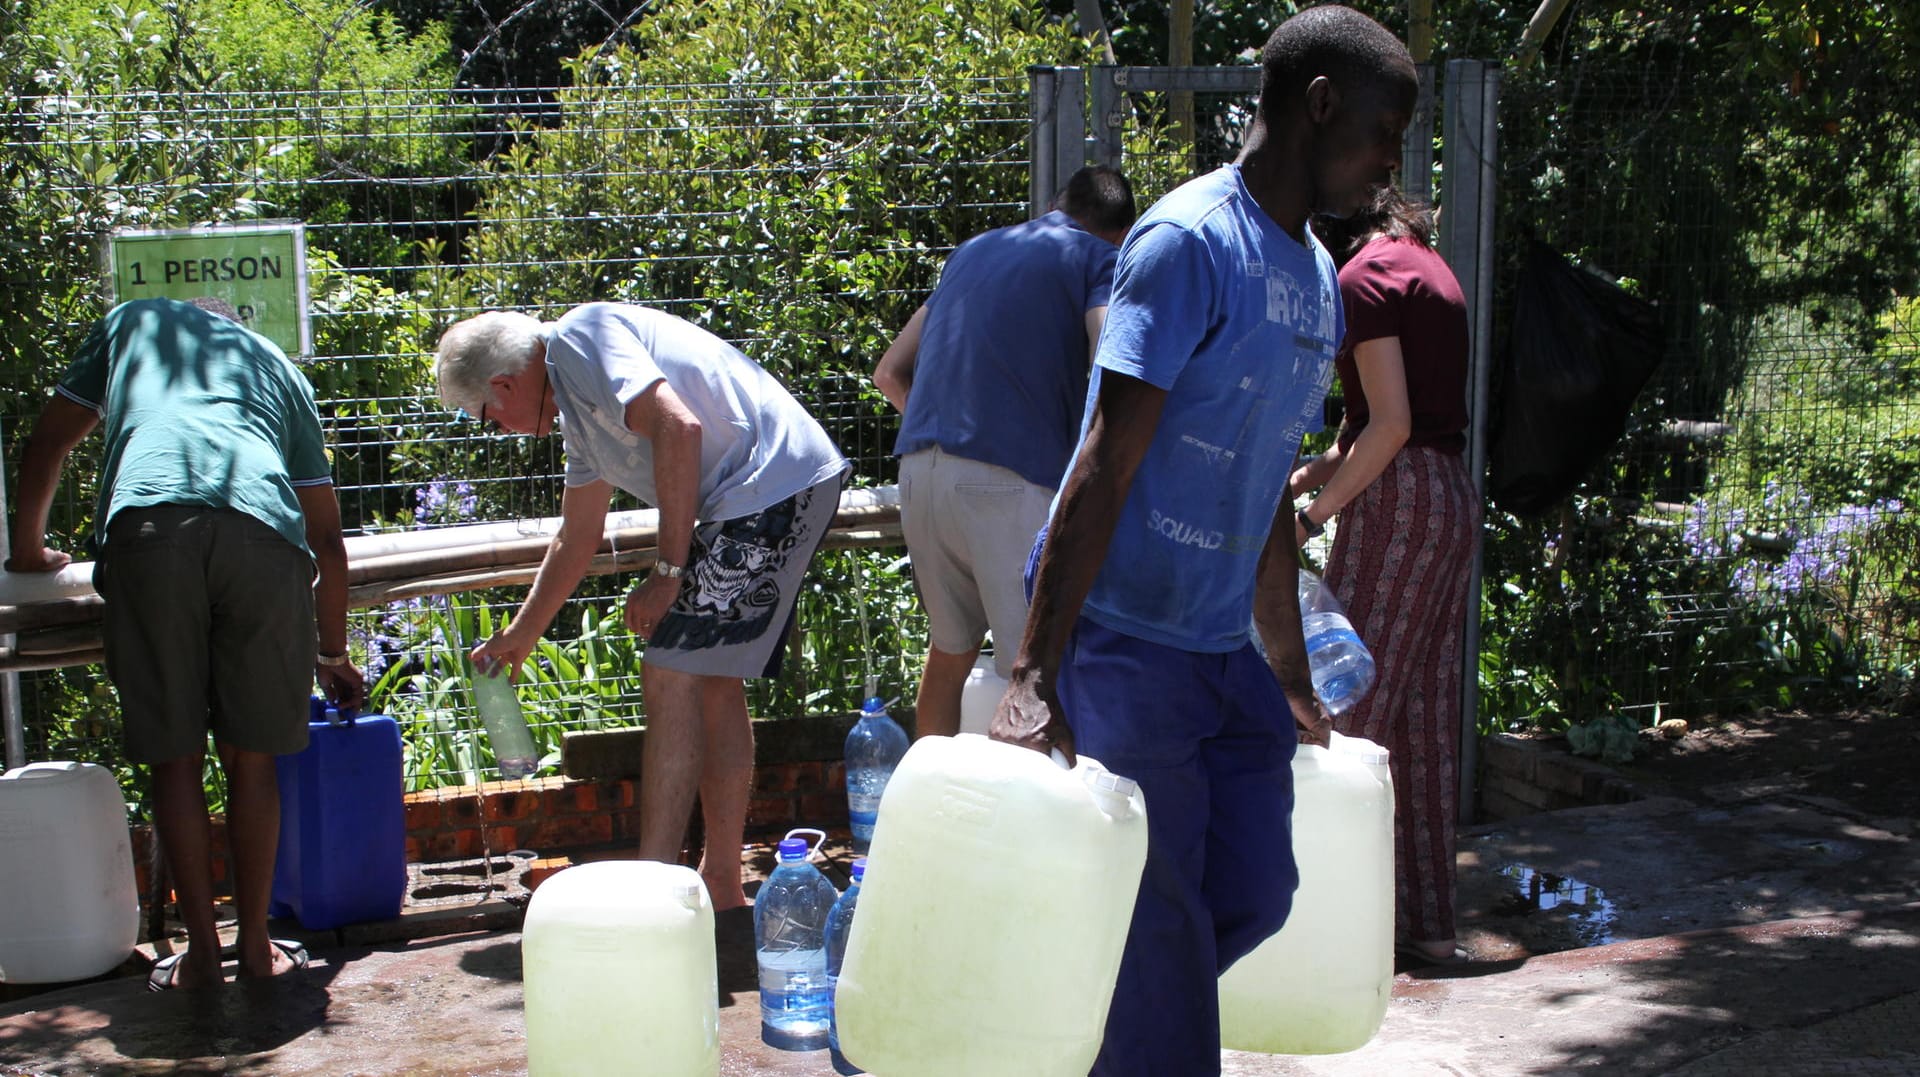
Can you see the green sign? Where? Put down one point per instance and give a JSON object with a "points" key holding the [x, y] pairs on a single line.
{"points": [[260, 268]]}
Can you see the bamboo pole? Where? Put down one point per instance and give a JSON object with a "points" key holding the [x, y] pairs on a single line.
{"points": [[66, 631]]}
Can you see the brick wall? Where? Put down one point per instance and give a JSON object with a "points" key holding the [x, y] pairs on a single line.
{"points": [[549, 815], [1520, 775], [799, 780]]}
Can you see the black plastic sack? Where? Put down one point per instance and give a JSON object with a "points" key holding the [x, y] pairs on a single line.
{"points": [[1581, 349]]}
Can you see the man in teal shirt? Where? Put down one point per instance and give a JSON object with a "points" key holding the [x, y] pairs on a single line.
{"points": [[216, 505]]}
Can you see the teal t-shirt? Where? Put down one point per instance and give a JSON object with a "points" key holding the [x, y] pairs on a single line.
{"points": [[197, 410]]}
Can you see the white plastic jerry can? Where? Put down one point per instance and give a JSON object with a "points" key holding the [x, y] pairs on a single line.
{"points": [[1321, 984], [980, 695], [619, 966], [69, 906], [993, 913]]}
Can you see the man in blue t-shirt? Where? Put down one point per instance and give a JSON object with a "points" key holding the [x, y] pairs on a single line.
{"points": [[216, 508], [991, 376], [1171, 534]]}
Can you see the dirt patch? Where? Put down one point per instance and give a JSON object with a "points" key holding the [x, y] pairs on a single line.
{"points": [[1863, 758]]}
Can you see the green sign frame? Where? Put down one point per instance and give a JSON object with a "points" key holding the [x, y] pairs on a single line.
{"points": [[259, 267]]}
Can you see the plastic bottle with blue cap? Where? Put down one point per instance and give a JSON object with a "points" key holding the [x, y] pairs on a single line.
{"points": [[874, 748], [839, 929], [790, 944], [1340, 663]]}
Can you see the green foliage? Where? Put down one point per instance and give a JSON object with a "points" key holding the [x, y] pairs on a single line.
{"points": [[741, 151], [1610, 739]]}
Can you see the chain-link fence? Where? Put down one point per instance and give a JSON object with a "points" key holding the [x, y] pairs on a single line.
{"points": [[742, 208], [1747, 542], [1744, 542]]}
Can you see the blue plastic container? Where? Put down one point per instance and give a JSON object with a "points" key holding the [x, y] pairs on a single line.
{"points": [[343, 841]]}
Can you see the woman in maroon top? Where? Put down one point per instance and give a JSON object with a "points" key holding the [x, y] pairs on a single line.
{"points": [[1409, 518]]}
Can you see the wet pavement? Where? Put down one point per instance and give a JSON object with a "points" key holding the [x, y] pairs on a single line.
{"points": [[1744, 932]]}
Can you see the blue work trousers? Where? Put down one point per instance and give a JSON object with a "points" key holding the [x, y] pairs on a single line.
{"points": [[1210, 739]]}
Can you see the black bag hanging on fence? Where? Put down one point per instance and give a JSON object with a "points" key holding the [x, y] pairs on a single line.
{"points": [[1580, 351]]}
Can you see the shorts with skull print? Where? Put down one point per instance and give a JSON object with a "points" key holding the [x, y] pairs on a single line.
{"points": [[736, 601]]}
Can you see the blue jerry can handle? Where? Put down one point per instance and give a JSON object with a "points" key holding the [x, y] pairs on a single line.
{"points": [[319, 710]]}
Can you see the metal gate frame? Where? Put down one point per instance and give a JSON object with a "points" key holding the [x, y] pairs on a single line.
{"points": [[1062, 141]]}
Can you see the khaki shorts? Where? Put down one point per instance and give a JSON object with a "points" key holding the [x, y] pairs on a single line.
{"points": [[969, 527], [208, 625]]}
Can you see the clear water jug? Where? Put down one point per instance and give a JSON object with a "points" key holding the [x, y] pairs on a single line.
{"points": [[873, 748], [993, 914], [839, 928], [980, 695], [790, 944], [618, 960], [1320, 985], [1340, 663], [499, 706], [71, 907]]}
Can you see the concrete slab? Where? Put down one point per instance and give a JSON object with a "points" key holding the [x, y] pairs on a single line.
{"points": [[1754, 935]]}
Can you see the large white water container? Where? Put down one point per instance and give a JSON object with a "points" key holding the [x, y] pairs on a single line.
{"points": [[618, 960], [69, 907], [992, 915], [980, 695], [1320, 985]]}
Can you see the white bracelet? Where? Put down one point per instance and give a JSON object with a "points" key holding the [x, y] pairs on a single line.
{"points": [[330, 659]]}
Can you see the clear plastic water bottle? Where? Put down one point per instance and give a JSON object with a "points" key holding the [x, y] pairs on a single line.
{"points": [[790, 942], [1341, 665], [839, 925], [874, 747], [499, 707]]}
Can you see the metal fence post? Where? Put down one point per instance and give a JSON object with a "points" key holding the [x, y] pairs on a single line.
{"points": [[1466, 240], [1041, 180], [1416, 148], [1108, 121], [12, 722], [1070, 129]]}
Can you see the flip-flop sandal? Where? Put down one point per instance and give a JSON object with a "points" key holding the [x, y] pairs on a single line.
{"points": [[1415, 955], [296, 952], [160, 977]]}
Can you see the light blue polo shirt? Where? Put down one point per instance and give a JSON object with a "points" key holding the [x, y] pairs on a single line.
{"points": [[197, 410], [1214, 303], [758, 446]]}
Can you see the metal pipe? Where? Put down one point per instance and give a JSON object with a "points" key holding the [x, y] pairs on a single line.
{"points": [[1486, 139]]}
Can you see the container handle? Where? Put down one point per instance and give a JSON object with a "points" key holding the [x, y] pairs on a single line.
{"points": [[819, 839]]}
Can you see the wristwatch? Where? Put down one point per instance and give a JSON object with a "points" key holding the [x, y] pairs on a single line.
{"points": [[1312, 529], [669, 570]]}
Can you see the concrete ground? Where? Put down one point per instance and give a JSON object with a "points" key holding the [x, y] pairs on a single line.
{"points": [[1745, 932]]}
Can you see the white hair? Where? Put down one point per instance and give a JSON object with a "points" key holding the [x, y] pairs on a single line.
{"points": [[475, 351]]}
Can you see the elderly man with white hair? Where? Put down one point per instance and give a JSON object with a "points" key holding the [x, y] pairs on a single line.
{"points": [[746, 484]]}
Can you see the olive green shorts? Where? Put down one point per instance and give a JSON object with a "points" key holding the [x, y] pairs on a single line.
{"points": [[208, 625]]}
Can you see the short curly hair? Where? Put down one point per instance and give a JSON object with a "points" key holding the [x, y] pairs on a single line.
{"points": [[1338, 42]]}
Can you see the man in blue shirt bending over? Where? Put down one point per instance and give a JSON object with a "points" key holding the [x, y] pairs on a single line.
{"points": [[1171, 533], [991, 376]]}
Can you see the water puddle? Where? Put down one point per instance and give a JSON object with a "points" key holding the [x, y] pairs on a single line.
{"points": [[1586, 908]]}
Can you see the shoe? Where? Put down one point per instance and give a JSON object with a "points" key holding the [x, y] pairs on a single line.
{"points": [[1420, 958], [160, 977]]}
